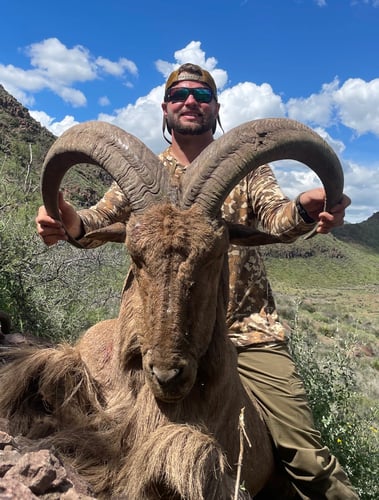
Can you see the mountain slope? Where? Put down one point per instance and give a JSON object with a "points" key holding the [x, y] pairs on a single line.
{"points": [[365, 233], [23, 147], [323, 261], [18, 128]]}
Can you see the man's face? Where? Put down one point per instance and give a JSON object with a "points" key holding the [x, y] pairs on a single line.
{"points": [[190, 117]]}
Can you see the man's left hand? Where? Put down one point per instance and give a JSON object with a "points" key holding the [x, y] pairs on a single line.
{"points": [[313, 202]]}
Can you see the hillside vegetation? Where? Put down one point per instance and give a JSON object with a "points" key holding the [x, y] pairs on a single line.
{"points": [[327, 290], [365, 233], [54, 292]]}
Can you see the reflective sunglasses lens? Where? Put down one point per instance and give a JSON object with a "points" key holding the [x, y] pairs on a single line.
{"points": [[181, 94], [202, 95]]}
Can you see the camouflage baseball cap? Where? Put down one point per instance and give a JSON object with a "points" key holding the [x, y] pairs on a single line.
{"points": [[191, 72]]}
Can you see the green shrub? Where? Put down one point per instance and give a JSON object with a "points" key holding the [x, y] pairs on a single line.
{"points": [[348, 424], [55, 292]]}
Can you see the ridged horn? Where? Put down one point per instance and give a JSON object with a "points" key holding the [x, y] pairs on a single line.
{"points": [[136, 169], [213, 174]]}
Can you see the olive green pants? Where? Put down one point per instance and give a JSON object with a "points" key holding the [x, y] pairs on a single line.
{"points": [[270, 374]]}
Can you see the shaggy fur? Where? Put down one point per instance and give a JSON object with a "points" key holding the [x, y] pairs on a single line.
{"points": [[147, 406]]}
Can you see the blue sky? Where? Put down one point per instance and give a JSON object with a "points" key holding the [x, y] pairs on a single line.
{"points": [[315, 61]]}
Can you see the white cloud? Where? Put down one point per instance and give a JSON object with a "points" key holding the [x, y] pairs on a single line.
{"points": [[164, 67], [193, 53], [354, 104], [30, 80], [57, 128], [20, 95], [317, 108], [41, 117], [358, 103], [373, 3], [248, 101], [52, 58], [70, 95], [21, 84], [117, 68], [294, 177], [104, 101], [142, 119], [58, 68], [337, 145], [362, 185]]}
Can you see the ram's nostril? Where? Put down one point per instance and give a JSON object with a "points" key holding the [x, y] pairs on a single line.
{"points": [[165, 376]]}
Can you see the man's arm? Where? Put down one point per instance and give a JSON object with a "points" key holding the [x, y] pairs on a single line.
{"points": [[313, 201], [51, 230], [113, 207], [289, 219]]}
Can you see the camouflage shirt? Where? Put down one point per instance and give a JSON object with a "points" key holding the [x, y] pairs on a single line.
{"points": [[256, 201]]}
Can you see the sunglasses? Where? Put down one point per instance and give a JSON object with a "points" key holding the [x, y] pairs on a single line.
{"points": [[180, 94]]}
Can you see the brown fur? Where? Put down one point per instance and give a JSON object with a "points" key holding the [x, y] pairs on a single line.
{"points": [[47, 385], [101, 403]]}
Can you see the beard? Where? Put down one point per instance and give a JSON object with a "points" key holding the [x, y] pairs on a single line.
{"points": [[198, 128]]}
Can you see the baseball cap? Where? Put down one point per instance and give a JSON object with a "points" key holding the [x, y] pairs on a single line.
{"points": [[191, 72]]}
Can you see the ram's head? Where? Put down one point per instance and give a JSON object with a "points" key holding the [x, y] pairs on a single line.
{"points": [[176, 237]]}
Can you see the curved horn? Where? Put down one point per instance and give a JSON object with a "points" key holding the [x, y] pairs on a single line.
{"points": [[227, 160], [135, 168]]}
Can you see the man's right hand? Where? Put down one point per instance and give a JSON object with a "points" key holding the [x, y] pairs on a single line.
{"points": [[51, 231]]}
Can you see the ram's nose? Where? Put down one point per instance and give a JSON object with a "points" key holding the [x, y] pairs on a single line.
{"points": [[164, 376]]}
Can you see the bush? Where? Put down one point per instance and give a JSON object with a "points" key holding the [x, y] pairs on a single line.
{"points": [[52, 292], [55, 292], [347, 421]]}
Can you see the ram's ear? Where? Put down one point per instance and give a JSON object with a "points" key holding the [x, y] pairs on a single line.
{"points": [[115, 232], [249, 236]]}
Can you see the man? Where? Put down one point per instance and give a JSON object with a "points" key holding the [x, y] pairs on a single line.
{"points": [[190, 113]]}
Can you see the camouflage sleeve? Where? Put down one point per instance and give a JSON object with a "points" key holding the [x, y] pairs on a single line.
{"points": [[276, 214], [113, 207]]}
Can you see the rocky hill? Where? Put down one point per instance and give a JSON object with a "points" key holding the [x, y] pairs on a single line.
{"points": [[18, 127], [23, 147], [365, 233]]}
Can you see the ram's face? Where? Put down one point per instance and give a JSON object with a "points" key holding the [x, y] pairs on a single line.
{"points": [[177, 260]]}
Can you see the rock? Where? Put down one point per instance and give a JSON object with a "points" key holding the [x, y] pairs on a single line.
{"points": [[27, 473], [8, 459], [6, 440], [36, 469], [12, 489]]}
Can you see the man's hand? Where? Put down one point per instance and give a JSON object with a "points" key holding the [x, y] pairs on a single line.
{"points": [[51, 230], [313, 203]]}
